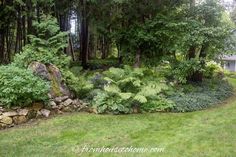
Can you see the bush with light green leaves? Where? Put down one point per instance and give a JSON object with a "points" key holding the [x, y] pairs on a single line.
{"points": [[212, 69], [19, 87], [119, 90]]}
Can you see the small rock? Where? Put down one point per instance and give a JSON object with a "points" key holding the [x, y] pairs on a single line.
{"points": [[23, 112], [76, 102], [59, 112], [84, 108], [1, 108], [2, 125], [10, 114], [67, 109], [45, 112], [55, 107], [6, 120], [52, 103], [60, 106], [32, 114], [67, 102], [60, 99], [50, 96], [93, 110], [19, 119], [15, 108], [39, 114], [37, 106]]}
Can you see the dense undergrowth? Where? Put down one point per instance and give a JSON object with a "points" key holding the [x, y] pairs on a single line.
{"points": [[193, 97], [120, 90], [127, 90]]}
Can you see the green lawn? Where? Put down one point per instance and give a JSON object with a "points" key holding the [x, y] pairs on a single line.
{"points": [[210, 133]]}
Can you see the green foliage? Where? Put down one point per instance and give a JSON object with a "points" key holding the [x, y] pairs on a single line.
{"points": [[184, 69], [102, 63], [212, 69], [122, 89], [201, 96], [29, 54], [19, 87], [105, 102], [47, 47], [78, 84]]}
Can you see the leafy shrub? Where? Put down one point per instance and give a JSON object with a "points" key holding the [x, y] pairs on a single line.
{"points": [[107, 102], [21, 87], [119, 90], [47, 47], [79, 85], [185, 69], [29, 54], [200, 96], [212, 69]]}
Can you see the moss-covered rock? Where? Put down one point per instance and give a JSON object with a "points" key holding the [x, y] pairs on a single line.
{"points": [[53, 74]]}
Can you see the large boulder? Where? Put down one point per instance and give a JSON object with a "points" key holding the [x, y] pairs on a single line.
{"points": [[40, 70], [53, 74], [58, 87]]}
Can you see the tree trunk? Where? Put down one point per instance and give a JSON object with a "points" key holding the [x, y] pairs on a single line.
{"points": [[202, 56], [2, 46], [197, 76], [137, 63], [18, 31], [103, 50], [23, 31], [84, 35], [191, 52], [120, 58], [71, 48], [29, 6], [38, 12]]}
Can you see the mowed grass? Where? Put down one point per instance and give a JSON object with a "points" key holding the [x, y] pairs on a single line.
{"points": [[207, 133]]}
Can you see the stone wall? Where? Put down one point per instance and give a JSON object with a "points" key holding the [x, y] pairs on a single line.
{"points": [[58, 105]]}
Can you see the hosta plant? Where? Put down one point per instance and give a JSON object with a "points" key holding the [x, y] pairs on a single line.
{"points": [[119, 90]]}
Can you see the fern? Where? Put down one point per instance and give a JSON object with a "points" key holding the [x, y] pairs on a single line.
{"points": [[125, 96], [140, 98], [129, 87], [112, 89]]}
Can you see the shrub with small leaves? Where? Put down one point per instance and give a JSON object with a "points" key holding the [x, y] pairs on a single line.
{"points": [[19, 87]]}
